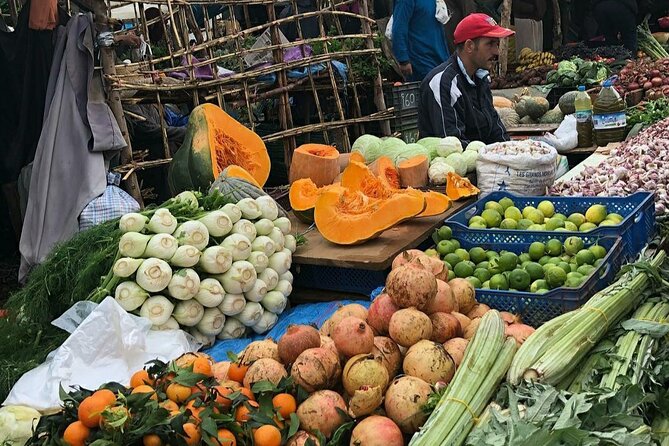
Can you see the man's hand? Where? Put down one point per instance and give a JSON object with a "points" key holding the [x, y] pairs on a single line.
{"points": [[406, 69]]}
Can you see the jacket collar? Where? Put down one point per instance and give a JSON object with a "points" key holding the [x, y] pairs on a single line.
{"points": [[480, 73]]}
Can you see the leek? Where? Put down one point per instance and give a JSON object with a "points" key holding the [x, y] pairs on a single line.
{"points": [[284, 287], [259, 261], [275, 302], [232, 304], [212, 322], [132, 222], [280, 262], [232, 211], [245, 228], [211, 293], [232, 329], [162, 222], [157, 309], [268, 207], [240, 246], [161, 246], [270, 277], [264, 244], [188, 312], [265, 323], [218, 223], [290, 243], [185, 256], [239, 278], [284, 224], [257, 292], [251, 314], [153, 275], [192, 233], [133, 244], [171, 324], [216, 259], [250, 209], [184, 285], [287, 276], [205, 340], [277, 237], [130, 296], [126, 266], [263, 226]]}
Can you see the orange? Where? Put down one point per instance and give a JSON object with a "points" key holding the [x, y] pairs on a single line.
{"points": [[146, 389], [202, 366], [242, 413], [171, 406], [285, 404], [225, 438], [141, 377], [187, 359], [221, 396], [106, 395], [91, 407], [152, 440], [192, 436], [236, 372], [267, 435], [178, 393], [194, 409], [76, 434], [246, 391], [198, 388]]}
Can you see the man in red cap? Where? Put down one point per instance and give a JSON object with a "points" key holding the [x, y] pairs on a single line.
{"points": [[455, 97]]}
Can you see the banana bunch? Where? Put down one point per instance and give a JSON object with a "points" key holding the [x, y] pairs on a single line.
{"points": [[529, 59]]}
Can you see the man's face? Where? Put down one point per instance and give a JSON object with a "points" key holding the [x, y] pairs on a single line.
{"points": [[484, 52]]}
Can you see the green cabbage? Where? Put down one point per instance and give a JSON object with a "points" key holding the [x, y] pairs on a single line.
{"points": [[449, 145], [369, 146], [458, 162], [566, 66], [431, 143], [438, 171], [390, 143], [475, 146], [470, 157], [16, 424], [409, 151]]}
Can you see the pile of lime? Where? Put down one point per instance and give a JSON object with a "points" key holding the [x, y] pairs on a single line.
{"points": [[545, 266], [504, 214]]}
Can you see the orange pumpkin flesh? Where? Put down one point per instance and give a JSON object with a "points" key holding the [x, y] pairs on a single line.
{"points": [[303, 194], [348, 217], [358, 177], [316, 161], [436, 203], [384, 168], [234, 171], [458, 187], [356, 156], [413, 172]]}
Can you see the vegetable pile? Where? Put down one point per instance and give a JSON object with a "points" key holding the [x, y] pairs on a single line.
{"points": [[649, 44], [527, 77], [575, 72], [650, 76], [648, 113], [640, 163], [452, 158], [526, 110], [599, 54], [545, 266]]}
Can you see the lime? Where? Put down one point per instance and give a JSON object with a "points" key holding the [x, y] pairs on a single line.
{"points": [[561, 230], [554, 247], [444, 233], [451, 275], [494, 267], [555, 277], [566, 267], [476, 283], [483, 264], [608, 222], [524, 223], [574, 275], [498, 282], [573, 267], [598, 262], [508, 223], [519, 279], [543, 260], [537, 250], [456, 243], [477, 254], [585, 270], [555, 261], [508, 261], [560, 216], [514, 213], [554, 223], [535, 270], [524, 264], [432, 253], [573, 245], [494, 205], [477, 219], [506, 203], [491, 255], [569, 226], [492, 218], [615, 217], [477, 225], [462, 253], [486, 285], [445, 247], [596, 213], [538, 285], [576, 218], [524, 257], [452, 259], [527, 210], [463, 270], [546, 208], [585, 257], [548, 266], [482, 274], [574, 282], [598, 250], [536, 216], [566, 258], [535, 227]]}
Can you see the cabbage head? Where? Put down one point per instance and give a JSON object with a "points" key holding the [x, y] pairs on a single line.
{"points": [[457, 161], [449, 145], [390, 143], [470, 157], [567, 66], [369, 146], [431, 143], [409, 151], [438, 171], [16, 424], [475, 146]]}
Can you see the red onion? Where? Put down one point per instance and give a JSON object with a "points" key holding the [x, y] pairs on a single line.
{"points": [[647, 85], [656, 81]]}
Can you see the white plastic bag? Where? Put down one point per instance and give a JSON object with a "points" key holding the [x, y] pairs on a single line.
{"points": [[443, 15], [522, 167], [565, 138], [109, 345]]}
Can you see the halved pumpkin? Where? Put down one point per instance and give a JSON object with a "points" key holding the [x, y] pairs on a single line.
{"points": [[345, 158], [347, 217], [458, 187], [214, 141], [358, 177], [413, 172], [316, 161], [436, 203], [303, 195], [384, 168], [239, 172]]}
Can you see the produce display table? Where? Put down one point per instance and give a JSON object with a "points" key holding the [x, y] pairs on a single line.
{"points": [[531, 129]]}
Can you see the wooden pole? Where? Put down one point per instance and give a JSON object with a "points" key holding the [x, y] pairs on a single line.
{"points": [[504, 43], [557, 25]]}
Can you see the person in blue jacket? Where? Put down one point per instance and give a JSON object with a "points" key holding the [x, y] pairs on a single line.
{"points": [[419, 41]]}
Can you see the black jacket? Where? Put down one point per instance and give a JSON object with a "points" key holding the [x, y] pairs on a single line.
{"points": [[451, 106]]}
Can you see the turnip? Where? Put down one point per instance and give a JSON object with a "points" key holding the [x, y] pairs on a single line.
{"points": [[377, 431], [430, 362], [404, 403], [316, 369], [353, 336], [411, 286], [444, 327], [319, 412], [408, 326]]}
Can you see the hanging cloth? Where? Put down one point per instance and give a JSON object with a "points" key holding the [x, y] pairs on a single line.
{"points": [[43, 15]]}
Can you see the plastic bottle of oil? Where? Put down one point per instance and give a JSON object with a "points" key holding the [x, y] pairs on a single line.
{"points": [[608, 115], [583, 106]]}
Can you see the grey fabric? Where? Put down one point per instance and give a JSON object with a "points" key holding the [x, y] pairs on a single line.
{"points": [[78, 133]]}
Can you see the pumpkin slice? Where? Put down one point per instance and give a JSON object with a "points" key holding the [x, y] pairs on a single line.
{"points": [[347, 217], [316, 161], [345, 158], [358, 177], [356, 156], [213, 142], [413, 172], [436, 203], [239, 172], [384, 168], [458, 187], [303, 195]]}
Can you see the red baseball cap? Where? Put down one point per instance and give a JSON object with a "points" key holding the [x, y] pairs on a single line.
{"points": [[479, 25]]}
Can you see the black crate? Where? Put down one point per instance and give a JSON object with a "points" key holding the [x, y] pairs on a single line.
{"points": [[406, 123], [406, 97]]}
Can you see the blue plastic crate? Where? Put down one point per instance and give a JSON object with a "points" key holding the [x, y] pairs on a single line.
{"points": [[535, 309], [636, 229], [332, 278]]}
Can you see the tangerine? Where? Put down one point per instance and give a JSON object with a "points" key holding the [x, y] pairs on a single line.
{"points": [[267, 435], [152, 440], [141, 377], [195, 409], [178, 393], [76, 434], [237, 372], [243, 412], [225, 437], [285, 404], [146, 389], [202, 366], [248, 393], [192, 434], [92, 406]]}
